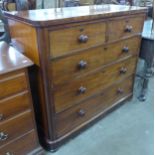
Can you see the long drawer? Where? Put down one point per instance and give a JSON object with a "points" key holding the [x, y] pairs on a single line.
{"points": [[63, 70], [70, 119], [67, 40], [13, 105], [12, 83], [80, 88], [120, 28], [21, 146], [15, 127]]}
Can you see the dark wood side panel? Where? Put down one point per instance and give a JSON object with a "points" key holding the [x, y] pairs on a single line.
{"points": [[24, 37]]}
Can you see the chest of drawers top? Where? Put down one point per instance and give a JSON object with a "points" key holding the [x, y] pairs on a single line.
{"points": [[11, 59], [49, 17]]}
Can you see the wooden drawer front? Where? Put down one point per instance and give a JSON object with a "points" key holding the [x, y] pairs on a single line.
{"points": [[67, 68], [120, 28], [12, 84], [14, 105], [81, 88], [75, 116], [65, 41], [15, 127], [21, 146]]}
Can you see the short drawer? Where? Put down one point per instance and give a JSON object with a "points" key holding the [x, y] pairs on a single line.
{"points": [[21, 146], [78, 115], [81, 88], [15, 127], [12, 83], [67, 40], [66, 69], [14, 105], [119, 28]]}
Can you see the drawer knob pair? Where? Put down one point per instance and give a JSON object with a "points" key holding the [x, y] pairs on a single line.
{"points": [[83, 38], [128, 28], [123, 70], [1, 117], [82, 90], [82, 64], [3, 136], [81, 112], [8, 153], [125, 49], [120, 91]]}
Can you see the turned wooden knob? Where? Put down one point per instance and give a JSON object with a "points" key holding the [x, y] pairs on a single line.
{"points": [[128, 28], [123, 70], [83, 38], [3, 136], [120, 90], [125, 49], [82, 90], [82, 64], [81, 112]]}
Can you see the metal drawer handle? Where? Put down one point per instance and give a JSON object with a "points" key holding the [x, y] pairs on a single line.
{"points": [[128, 28], [1, 117], [125, 49], [120, 90], [3, 136], [82, 64], [81, 112], [83, 38], [123, 70], [82, 90], [8, 153]]}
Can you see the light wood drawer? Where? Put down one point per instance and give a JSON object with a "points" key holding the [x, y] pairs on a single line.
{"points": [[67, 40], [12, 83], [70, 119], [21, 146], [120, 28], [15, 127], [14, 105], [81, 88], [63, 70]]}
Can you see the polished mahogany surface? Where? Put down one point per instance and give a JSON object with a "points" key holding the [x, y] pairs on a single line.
{"points": [[46, 17], [11, 59], [85, 61], [17, 122]]}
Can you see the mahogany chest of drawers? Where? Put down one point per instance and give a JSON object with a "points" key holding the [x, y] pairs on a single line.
{"points": [[17, 125], [85, 63]]}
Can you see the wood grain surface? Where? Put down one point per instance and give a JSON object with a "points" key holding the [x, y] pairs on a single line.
{"points": [[48, 17], [65, 69], [67, 40], [69, 94], [71, 118], [11, 59]]}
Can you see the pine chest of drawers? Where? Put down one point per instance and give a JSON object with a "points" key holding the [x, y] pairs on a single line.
{"points": [[18, 134], [85, 62]]}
